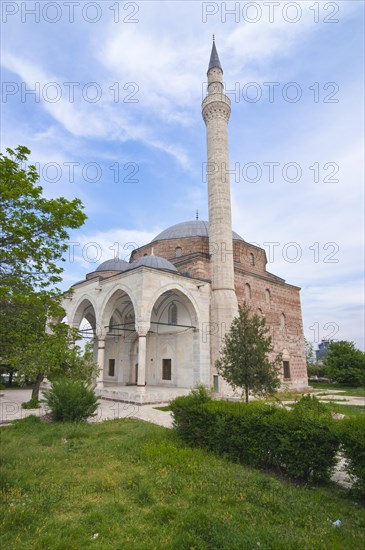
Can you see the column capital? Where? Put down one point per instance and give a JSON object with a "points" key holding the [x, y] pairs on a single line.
{"points": [[142, 328], [101, 334]]}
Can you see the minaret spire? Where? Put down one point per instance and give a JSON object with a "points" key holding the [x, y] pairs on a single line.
{"points": [[214, 58], [216, 110]]}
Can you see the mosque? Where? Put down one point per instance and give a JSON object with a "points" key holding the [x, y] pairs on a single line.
{"points": [[159, 319]]}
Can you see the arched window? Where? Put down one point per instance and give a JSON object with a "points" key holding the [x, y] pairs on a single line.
{"points": [[172, 314], [259, 312], [178, 251], [268, 296], [252, 259], [282, 321], [247, 292]]}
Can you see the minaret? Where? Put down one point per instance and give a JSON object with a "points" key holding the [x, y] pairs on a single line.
{"points": [[216, 109]]}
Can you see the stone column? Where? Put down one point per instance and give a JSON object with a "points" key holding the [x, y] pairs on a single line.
{"points": [[100, 361], [142, 330]]}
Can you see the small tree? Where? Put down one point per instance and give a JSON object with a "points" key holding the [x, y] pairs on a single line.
{"points": [[244, 361], [345, 364]]}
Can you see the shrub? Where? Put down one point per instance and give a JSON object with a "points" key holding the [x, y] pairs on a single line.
{"points": [[32, 404], [300, 443], [311, 406], [71, 400], [191, 427], [351, 432], [2, 386], [200, 394]]}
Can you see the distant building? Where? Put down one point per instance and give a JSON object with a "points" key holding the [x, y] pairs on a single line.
{"points": [[322, 350]]}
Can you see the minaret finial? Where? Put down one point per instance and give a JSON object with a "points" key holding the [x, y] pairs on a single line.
{"points": [[197, 215], [213, 37]]}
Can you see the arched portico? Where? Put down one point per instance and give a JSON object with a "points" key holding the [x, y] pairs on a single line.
{"points": [[146, 327]]}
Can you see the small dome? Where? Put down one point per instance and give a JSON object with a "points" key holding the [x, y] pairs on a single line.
{"points": [[155, 262], [194, 228], [115, 264]]}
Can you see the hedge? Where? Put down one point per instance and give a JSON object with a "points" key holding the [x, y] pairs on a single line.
{"points": [[300, 443], [351, 432]]}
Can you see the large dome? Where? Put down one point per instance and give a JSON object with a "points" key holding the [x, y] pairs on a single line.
{"points": [[153, 261], [113, 265], [194, 228]]}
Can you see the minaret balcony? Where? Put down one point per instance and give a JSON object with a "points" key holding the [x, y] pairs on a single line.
{"points": [[216, 105], [211, 98]]}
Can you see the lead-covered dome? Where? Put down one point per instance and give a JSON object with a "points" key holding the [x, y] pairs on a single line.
{"points": [[156, 262], [194, 228], [115, 264]]}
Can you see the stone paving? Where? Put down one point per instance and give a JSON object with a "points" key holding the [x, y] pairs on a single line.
{"points": [[11, 400]]}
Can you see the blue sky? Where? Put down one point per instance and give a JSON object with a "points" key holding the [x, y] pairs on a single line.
{"points": [[116, 120]]}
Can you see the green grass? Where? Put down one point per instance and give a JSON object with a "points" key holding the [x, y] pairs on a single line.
{"points": [[126, 484], [287, 395], [164, 408], [348, 410], [344, 390]]}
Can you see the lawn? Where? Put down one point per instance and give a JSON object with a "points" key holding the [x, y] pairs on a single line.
{"points": [[343, 390], [348, 410], [126, 484]]}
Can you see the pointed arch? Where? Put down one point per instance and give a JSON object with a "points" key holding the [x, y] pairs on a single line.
{"points": [[119, 295], [85, 308], [182, 294]]}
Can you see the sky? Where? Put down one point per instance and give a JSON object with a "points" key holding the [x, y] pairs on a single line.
{"points": [[107, 96]]}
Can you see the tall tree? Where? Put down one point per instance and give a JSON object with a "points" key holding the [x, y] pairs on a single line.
{"points": [[33, 240], [345, 364], [244, 361]]}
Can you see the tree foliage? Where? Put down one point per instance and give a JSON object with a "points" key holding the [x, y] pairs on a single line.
{"points": [[33, 229], [309, 352], [33, 240], [245, 358], [345, 364], [55, 355]]}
